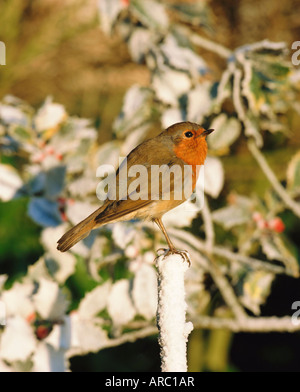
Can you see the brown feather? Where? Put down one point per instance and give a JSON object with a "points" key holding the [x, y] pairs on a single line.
{"points": [[168, 148], [78, 232]]}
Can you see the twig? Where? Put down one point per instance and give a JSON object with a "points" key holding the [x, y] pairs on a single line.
{"points": [[264, 44], [222, 283], [289, 202], [249, 324], [209, 226], [225, 288], [227, 291], [125, 338], [131, 336], [223, 92], [171, 309], [205, 43], [236, 94], [223, 252]]}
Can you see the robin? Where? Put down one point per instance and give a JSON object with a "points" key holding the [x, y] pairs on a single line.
{"points": [[182, 145]]}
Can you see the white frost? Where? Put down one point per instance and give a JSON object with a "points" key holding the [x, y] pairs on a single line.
{"points": [[171, 313], [119, 305]]}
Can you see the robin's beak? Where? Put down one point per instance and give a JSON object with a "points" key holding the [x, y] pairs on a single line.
{"points": [[205, 133]]}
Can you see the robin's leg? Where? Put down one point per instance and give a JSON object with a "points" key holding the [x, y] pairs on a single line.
{"points": [[172, 249], [159, 223]]}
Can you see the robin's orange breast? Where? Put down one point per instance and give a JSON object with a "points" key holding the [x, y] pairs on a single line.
{"points": [[192, 152]]}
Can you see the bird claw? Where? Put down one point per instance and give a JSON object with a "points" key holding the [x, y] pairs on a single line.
{"points": [[183, 253]]}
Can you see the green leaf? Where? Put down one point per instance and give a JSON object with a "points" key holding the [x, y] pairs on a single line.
{"points": [[256, 289], [278, 70], [280, 248], [255, 84]]}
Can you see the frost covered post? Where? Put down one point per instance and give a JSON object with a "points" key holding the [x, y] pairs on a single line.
{"points": [[171, 310]]}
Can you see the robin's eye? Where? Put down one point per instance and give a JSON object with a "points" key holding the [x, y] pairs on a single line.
{"points": [[188, 134]]}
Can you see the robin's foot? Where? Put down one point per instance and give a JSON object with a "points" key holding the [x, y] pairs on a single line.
{"points": [[173, 251]]}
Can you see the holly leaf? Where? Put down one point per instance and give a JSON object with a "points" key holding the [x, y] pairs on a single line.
{"points": [[135, 111], [44, 212], [144, 291], [10, 182], [213, 176], [140, 43], [150, 13], [49, 117], [171, 116], [49, 300], [256, 289], [231, 216], [108, 12], [226, 132], [17, 341], [169, 85], [86, 336], [94, 301], [199, 103], [11, 115], [120, 306], [182, 58]]}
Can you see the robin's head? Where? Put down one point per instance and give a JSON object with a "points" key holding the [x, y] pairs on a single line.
{"points": [[189, 142]]}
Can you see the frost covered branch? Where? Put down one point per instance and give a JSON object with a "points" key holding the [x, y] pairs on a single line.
{"points": [[207, 44], [128, 337], [209, 227], [171, 310], [248, 324], [221, 251]]}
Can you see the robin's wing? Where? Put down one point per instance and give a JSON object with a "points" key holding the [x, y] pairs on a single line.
{"points": [[149, 173], [139, 173]]}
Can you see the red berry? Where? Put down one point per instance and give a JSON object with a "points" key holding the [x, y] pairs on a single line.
{"points": [[63, 216], [262, 224], [256, 216], [31, 317], [277, 225], [38, 157], [41, 143], [42, 332], [61, 201]]}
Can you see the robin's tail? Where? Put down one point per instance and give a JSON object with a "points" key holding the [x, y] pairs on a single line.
{"points": [[78, 232]]}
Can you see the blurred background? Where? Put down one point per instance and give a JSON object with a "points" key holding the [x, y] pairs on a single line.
{"points": [[57, 48]]}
